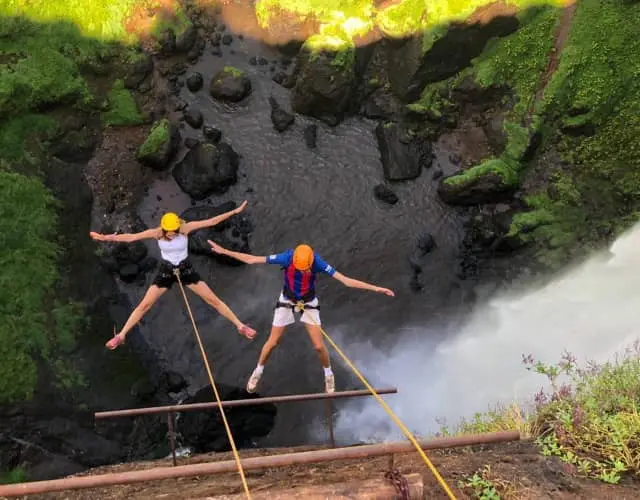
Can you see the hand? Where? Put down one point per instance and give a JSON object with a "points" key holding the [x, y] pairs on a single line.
{"points": [[241, 207], [215, 247], [386, 291]]}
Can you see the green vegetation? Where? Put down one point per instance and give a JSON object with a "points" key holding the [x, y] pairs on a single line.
{"points": [[494, 166], [158, 136], [483, 486], [590, 417], [35, 326], [16, 475], [596, 85], [233, 71], [123, 109]]}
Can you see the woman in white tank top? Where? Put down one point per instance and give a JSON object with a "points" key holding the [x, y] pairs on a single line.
{"points": [[172, 236]]}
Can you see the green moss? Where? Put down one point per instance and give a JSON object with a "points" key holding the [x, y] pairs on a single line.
{"points": [[506, 170], [518, 139], [431, 102], [233, 71], [598, 194], [519, 59], [123, 109], [13, 476], [158, 136], [20, 133]]}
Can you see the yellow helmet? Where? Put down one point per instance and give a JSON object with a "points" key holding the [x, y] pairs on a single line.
{"points": [[170, 222], [303, 257]]}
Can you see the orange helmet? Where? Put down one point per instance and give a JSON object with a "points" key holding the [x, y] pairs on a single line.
{"points": [[303, 258]]}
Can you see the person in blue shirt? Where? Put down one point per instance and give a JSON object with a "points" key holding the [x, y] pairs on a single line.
{"points": [[300, 269]]}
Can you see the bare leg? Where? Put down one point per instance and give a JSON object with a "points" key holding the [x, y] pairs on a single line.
{"points": [[153, 294], [318, 343], [271, 343], [205, 293]]}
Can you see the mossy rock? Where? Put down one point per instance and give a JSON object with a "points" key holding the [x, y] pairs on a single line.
{"points": [[492, 181], [230, 84], [160, 146]]}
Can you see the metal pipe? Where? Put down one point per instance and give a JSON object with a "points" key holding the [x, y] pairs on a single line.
{"points": [[254, 463], [172, 437], [239, 402], [332, 438]]}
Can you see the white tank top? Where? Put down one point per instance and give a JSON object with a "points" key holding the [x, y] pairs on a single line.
{"points": [[175, 250]]}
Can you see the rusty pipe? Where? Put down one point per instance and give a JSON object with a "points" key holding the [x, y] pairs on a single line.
{"points": [[254, 463], [239, 402]]}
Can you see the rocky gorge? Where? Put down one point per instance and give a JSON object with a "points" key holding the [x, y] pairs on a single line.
{"points": [[415, 162]]}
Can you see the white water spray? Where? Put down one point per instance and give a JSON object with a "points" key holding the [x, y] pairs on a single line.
{"points": [[591, 311]]}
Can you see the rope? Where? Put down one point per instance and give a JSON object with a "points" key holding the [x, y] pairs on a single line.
{"points": [[389, 411], [215, 389]]}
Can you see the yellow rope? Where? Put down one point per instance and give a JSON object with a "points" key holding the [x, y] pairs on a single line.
{"points": [[389, 411], [215, 389]]}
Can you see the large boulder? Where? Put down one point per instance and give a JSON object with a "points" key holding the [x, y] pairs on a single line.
{"points": [[207, 169], [403, 155], [325, 85], [161, 145], [205, 431], [232, 234], [230, 84]]}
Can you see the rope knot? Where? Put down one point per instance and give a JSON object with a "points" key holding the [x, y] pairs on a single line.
{"points": [[299, 307]]}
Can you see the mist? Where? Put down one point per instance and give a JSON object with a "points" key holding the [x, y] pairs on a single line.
{"points": [[590, 311]]}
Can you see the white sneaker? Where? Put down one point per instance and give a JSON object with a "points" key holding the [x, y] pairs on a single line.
{"points": [[329, 383], [253, 381]]}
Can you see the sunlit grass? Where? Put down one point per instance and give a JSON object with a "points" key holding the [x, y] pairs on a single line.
{"points": [[100, 19], [351, 19]]}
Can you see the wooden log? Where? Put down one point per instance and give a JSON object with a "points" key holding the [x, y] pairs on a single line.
{"points": [[377, 488]]}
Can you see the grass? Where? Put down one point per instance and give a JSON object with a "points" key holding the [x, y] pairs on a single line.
{"points": [[17, 475], [589, 418], [483, 485], [158, 136], [123, 110], [596, 196]]}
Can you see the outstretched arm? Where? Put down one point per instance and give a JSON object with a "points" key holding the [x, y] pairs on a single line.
{"points": [[353, 283], [126, 237], [242, 257], [213, 221]]}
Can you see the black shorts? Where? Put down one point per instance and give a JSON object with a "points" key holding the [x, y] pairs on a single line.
{"points": [[165, 277]]}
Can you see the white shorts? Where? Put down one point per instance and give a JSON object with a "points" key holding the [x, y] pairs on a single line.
{"points": [[284, 316]]}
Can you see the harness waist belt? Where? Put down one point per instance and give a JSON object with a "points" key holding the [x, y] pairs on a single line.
{"points": [[293, 307]]}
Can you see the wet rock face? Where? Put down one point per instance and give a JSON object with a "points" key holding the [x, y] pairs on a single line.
{"points": [[325, 86], [206, 169], [205, 432], [403, 155], [230, 84], [232, 234]]}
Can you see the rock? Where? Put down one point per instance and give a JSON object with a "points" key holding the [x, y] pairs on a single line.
{"points": [[426, 243], [325, 85], [402, 156], [437, 174], [262, 61], [172, 382], [187, 39], [311, 135], [161, 145], [167, 43], [212, 134], [143, 390], [279, 77], [207, 169], [227, 39], [230, 84], [490, 184], [190, 142], [193, 117], [385, 194], [216, 51], [138, 71], [495, 133], [205, 432], [253, 61], [195, 82], [129, 273], [216, 38], [280, 118], [232, 233], [74, 145]]}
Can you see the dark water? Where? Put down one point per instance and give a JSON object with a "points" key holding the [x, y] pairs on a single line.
{"points": [[323, 197]]}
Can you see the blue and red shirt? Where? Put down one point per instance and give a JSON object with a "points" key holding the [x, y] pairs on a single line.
{"points": [[301, 285]]}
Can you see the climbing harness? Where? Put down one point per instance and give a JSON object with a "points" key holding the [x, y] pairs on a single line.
{"points": [[399, 482], [386, 408], [215, 389]]}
